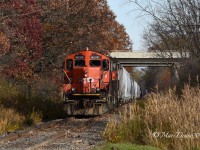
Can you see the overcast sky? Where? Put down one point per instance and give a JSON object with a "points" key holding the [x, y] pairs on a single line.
{"points": [[129, 18]]}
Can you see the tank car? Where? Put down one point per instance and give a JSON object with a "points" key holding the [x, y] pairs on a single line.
{"points": [[94, 84]]}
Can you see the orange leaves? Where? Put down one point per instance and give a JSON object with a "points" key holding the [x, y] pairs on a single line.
{"points": [[4, 44], [48, 27], [82, 24]]}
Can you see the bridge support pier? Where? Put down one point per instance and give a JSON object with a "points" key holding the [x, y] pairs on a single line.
{"points": [[174, 74]]}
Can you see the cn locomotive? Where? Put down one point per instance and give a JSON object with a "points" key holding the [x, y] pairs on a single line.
{"points": [[95, 83]]}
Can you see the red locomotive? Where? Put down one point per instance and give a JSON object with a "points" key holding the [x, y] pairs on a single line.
{"points": [[94, 84]]}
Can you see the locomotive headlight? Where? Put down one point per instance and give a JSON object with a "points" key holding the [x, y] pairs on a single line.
{"points": [[73, 89], [98, 89], [86, 73]]}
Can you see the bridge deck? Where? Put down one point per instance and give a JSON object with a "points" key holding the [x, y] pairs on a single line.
{"points": [[144, 59], [140, 54]]}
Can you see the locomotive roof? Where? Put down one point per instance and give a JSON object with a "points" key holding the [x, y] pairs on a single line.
{"points": [[89, 51]]}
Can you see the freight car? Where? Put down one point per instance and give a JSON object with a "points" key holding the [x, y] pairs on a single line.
{"points": [[94, 84]]}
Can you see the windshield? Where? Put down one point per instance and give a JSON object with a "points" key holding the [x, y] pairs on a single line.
{"points": [[95, 63], [79, 63]]}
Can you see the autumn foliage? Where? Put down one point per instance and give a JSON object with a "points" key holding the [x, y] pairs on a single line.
{"points": [[21, 37], [71, 26], [36, 35]]}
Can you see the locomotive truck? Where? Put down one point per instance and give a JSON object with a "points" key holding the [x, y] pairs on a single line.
{"points": [[95, 83]]}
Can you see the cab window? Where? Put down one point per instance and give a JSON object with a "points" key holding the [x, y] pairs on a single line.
{"points": [[69, 64], [79, 63], [95, 63], [105, 64]]}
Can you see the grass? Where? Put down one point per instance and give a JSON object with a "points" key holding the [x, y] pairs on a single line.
{"points": [[124, 146], [163, 120]]}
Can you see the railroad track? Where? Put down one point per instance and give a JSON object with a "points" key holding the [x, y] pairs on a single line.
{"points": [[53, 132], [70, 133], [80, 127], [59, 134]]}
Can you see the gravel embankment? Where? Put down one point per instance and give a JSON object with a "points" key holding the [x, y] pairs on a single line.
{"points": [[70, 134]]}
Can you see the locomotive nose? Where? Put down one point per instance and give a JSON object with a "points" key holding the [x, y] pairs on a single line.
{"points": [[86, 80]]}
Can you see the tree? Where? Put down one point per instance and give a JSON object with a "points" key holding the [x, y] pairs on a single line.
{"points": [[21, 38], [174, 25], [71, 26]]}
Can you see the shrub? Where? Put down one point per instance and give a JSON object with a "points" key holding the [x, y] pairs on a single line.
{"points": [[15, 105]]}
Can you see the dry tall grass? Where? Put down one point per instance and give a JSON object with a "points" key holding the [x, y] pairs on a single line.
{"points": [[10, 120], [163, 120]]}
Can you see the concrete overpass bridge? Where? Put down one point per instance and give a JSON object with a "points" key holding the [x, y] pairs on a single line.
{"points": [[152, 59], [148, 59]]}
